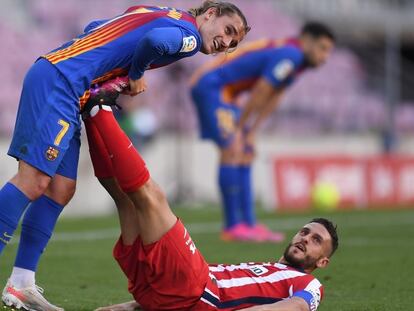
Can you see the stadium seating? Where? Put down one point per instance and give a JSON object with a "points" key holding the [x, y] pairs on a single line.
{"points": [[333, 98]]}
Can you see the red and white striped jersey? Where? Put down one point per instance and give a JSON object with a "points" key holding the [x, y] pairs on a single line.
{"points": [[234, 287]]}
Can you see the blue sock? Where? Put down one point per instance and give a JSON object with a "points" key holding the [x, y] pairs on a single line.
{"points": [[230, 193], [37, 228], [13, 202], [246, 195]]}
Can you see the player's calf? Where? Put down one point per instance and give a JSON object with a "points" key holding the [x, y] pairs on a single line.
{"points": [[154, 214], [149, 196]]}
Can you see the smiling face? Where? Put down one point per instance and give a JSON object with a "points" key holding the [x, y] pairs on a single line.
{"points": [[310, 248], [220, 33]]}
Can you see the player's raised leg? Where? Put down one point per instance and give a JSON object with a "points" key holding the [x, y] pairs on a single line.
{"points": [[164, 247], [133, 177], [104, 171]]}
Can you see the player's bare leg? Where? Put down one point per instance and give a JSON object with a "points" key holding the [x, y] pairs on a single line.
{"points": [[151, 213], [128, 216], [31, 181], [61, 189], [104, 171], [155, 217]]}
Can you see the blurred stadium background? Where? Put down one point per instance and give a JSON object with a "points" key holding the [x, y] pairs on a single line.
{"points": [[350, 124], [356, 108]]}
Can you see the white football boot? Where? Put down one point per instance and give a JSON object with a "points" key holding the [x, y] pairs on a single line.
{"points": [[29, 298]]}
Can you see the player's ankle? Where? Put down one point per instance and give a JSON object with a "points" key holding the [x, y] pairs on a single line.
{"points": [[22, 278]]}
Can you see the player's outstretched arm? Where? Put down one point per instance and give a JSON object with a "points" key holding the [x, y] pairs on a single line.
{"points": [[126, 306], [291, 304]]}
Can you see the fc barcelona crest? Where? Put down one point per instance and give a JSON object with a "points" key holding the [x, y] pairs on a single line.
{"points": [[52, 154]]}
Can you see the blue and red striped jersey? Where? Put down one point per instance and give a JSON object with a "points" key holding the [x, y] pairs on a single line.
{"points": [[144, 37], [278, 61]]}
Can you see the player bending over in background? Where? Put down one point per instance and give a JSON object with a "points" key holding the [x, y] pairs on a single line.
{"points": [[46, 137], [164, 268], [265, 69]]}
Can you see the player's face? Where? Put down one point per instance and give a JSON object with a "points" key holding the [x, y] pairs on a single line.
{"points": [[220, 33], [310, 247], [318, 51]]}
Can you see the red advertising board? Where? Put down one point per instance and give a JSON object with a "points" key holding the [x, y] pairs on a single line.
{"points": [[360, 181]]}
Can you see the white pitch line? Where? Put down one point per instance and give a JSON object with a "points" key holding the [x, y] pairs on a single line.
{"points": [[277, 224]]}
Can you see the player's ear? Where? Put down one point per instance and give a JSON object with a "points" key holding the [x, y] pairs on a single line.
{"points": [[322, 262], [210, 13]]}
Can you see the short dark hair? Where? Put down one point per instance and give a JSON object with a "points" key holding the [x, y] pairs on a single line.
{"points": [[223, 8], [317, 30], [331, 228]]}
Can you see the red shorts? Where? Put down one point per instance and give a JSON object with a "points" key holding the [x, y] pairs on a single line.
{"points": [[170, 274]]}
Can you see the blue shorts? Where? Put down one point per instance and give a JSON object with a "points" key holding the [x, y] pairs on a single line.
{"points": [[47, 130], [217, 120]]}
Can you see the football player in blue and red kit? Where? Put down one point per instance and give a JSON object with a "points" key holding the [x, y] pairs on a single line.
{"points": [[46, 138], [264, 69]]}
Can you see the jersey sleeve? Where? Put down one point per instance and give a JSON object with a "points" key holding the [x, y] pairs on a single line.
{"points": [[309, 289], [281, 68], [159, 42]]}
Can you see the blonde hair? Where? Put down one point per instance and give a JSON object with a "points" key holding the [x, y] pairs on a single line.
{"points": [[223, 8]]}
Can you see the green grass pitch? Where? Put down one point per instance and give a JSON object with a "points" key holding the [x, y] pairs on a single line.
{"points": [[371, 271]]}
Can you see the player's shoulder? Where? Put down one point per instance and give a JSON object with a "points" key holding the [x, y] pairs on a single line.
{"points": [[290, 52], [190, 36], [307, 281]]}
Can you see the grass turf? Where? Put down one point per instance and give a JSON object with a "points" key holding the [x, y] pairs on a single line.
{"points": [[370, 272]]}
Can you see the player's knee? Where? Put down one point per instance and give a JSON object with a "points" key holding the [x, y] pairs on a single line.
{"points": [[32, 186], [31, 181], [248, 159], [61, 190], [69, 192], [151, 197], [114, 190], [39, 187], [227, 156]]}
